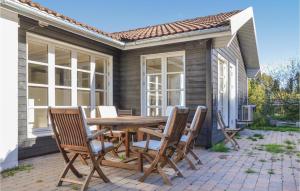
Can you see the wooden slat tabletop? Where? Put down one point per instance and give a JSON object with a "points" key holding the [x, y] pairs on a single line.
{"points": [[127, 121]]}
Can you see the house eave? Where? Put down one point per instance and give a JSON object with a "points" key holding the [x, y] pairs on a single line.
{"points": [[41, 16]]}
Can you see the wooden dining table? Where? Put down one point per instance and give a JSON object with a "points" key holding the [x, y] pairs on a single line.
{"points": [[127, 124]]}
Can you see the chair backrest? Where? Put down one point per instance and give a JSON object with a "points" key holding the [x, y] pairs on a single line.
{"points": [[169, 110], [174, 128], [220, 120], [196, 124], [125, 112], [69, 128], [107, 111]]}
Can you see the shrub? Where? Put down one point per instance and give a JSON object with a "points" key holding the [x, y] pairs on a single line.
{"points": [[220, 147]]}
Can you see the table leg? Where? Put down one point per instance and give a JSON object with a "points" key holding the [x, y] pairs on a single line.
{"points": [[127, 151]]}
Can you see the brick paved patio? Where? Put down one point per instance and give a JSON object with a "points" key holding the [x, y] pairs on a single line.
{"points": [[220, 171]]}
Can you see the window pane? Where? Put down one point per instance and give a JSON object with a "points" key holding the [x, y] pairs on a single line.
{"points": [[154, 111], [154, 82], [99, 81], [40, 119], [83, 79], [37, 74], [83, 97], [38, 52], [99, 98], [62, 57], [175, 98], [62, 97], [153, 66], [38, 96], [175, 64], [175, 81], [62, 77], [154, 98], [83, 61], [100, 64]]}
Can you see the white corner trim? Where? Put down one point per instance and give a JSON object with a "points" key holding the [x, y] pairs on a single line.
{"points": [[8, 84]]}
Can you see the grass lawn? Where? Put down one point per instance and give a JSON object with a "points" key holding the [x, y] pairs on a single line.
{"points": [[271, 128]]}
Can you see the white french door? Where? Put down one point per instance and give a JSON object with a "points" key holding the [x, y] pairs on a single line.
{"points": [[163, 82], [232, 95], [227, 91], [223, 87]]}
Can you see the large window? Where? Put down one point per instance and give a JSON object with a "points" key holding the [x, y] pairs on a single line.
{"points": [[163, 82], [63, 75]]}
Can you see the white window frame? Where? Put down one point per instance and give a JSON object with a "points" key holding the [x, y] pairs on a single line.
{"points": [[40, 132], [163, 57]]}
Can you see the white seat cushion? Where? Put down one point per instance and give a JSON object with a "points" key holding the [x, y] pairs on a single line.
{"points": [[184, 138], [153, 144], [96, 146]]}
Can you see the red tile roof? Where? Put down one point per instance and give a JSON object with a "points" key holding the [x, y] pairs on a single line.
{"points": [[199, 23]]}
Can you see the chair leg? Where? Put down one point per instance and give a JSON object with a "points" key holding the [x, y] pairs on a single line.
{"points": [[175, 167], [73, 169], [192, 165], [164, 176], [97, 168], [66, 169], [179, 156], [88, 179], [140, 162], [83, 160], [198, 161], [150, 169]]}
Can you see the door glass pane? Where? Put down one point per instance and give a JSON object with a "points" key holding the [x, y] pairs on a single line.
{"points": [[37, 74], [100, 64], [153, 66], [99, 81], [154, 82], [83, 61], [62, 77], [99, 98], [83, 97], [175, 81], [62, 57], [83, 79], [40, 118], [175, 98], [38, 52], [175, 64], [154, 98], [62, 97], [154, 111], [38, 96]]}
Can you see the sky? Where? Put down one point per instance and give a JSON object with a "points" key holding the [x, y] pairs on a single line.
{"points": [[277, 21]]}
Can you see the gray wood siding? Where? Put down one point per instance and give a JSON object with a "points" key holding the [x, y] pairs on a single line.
{"points": [[195, 63], [28, 146], [232, 53]]}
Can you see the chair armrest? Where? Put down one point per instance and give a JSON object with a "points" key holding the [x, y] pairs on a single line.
{"points": [[152, 132], [188, 125], [97, 134]]}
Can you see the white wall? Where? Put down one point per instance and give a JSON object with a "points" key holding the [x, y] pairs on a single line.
{"points": [[8, 89]]}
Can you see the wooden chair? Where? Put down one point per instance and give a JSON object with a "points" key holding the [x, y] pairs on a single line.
{"points": [[159, 153], [229, 133], [113, 135], [186, 143], [74, 138]]}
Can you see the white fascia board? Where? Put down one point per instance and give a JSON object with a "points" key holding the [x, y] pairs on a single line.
{"points": [[239, 19], [37, 14], [176, 38]]}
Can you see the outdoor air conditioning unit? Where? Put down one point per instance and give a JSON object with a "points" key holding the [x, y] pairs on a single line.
{"points": [[247, 112]]}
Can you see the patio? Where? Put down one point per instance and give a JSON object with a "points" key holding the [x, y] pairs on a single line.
{"points": [[250, 168]]}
